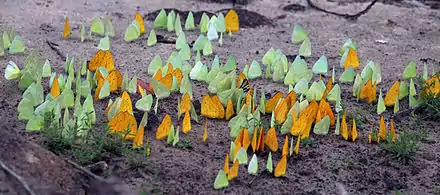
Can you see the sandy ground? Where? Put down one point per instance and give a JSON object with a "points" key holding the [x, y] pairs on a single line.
{"points": [[411, 33]]}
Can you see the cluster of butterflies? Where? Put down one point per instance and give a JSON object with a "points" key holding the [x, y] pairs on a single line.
{"points": [[303, 109], [12, 42], [34, 105], [171, 22]]}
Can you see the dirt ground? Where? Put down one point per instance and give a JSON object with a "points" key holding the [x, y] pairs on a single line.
{"points": [[411, 30]]}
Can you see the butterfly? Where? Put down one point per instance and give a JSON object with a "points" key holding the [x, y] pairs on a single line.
{"points": [[152, 40], [133, 31], [189, 23], [245, 86], [161, 20], [231, 21], [66, 31], [221, 181], [253, 165]]}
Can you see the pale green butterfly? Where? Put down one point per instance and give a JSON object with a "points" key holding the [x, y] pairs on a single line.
{"points": [[396, 105], [357, 86], [316, 91], [333, 74], [221, 181], [178, 25], [66, 116], [269, 56], [322, 127], [285, 128], [412, 88], [298, 71], [26, 80], [199, 72], [269, 165], [380, 104], [133, 31], [207, 48], [237, 123], [12, 71], [291, 150], [83, 32], [132, 85], [189, 23], [108, 26], [84, 67], [254, 70], [197, 57], [335, 93], [34, 93], [144, 120], [301, 87], [246, 70], [67, 64], [372, 71], [170, 137], [185, 52], [84, 88], [152, 40], [187, 67], [104, 44], [204, 23], [347, 76], [155, 64], [66, 98], [230, 65], [170, 58], [176, 62], [306, 48], [6, 40], [174, 84], [176, 136], [298, 34], [185, 86], [200, 43], [222, 82], [338, 125], [253, 165], [160, 90], [71, 72], [290, 88], [241, 156], [425, 72], [412, 101], [35, 123], [181, 41], [272, 119], [303, 104], [220, 23], [278, 73], [212, 32], [105, 90], [215, 69], [89, 108], [321, 66], [114, 109], [125, 81], [161, 20], [25, 109], [17, 45], [170, 21], [348, 43], [410, 71], [403, 90], [97, 27]]}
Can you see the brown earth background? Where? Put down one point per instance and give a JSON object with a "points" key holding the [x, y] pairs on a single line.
{"points": [[410, 28]]}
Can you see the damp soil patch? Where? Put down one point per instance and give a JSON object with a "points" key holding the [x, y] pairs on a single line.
{"points": [[247, 19]]}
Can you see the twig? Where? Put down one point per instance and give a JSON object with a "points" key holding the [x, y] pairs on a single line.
{"points": [[346, 16], [54, 46], [85, 170], [20, 179]]}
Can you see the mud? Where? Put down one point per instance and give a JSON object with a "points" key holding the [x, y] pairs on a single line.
{"points": [[328, 167]]}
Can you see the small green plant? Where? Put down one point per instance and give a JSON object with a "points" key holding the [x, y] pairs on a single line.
{"points": [[359, 115], [404, 147], [309, 143], [429, 98], [86, 148], [184, 144]]}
